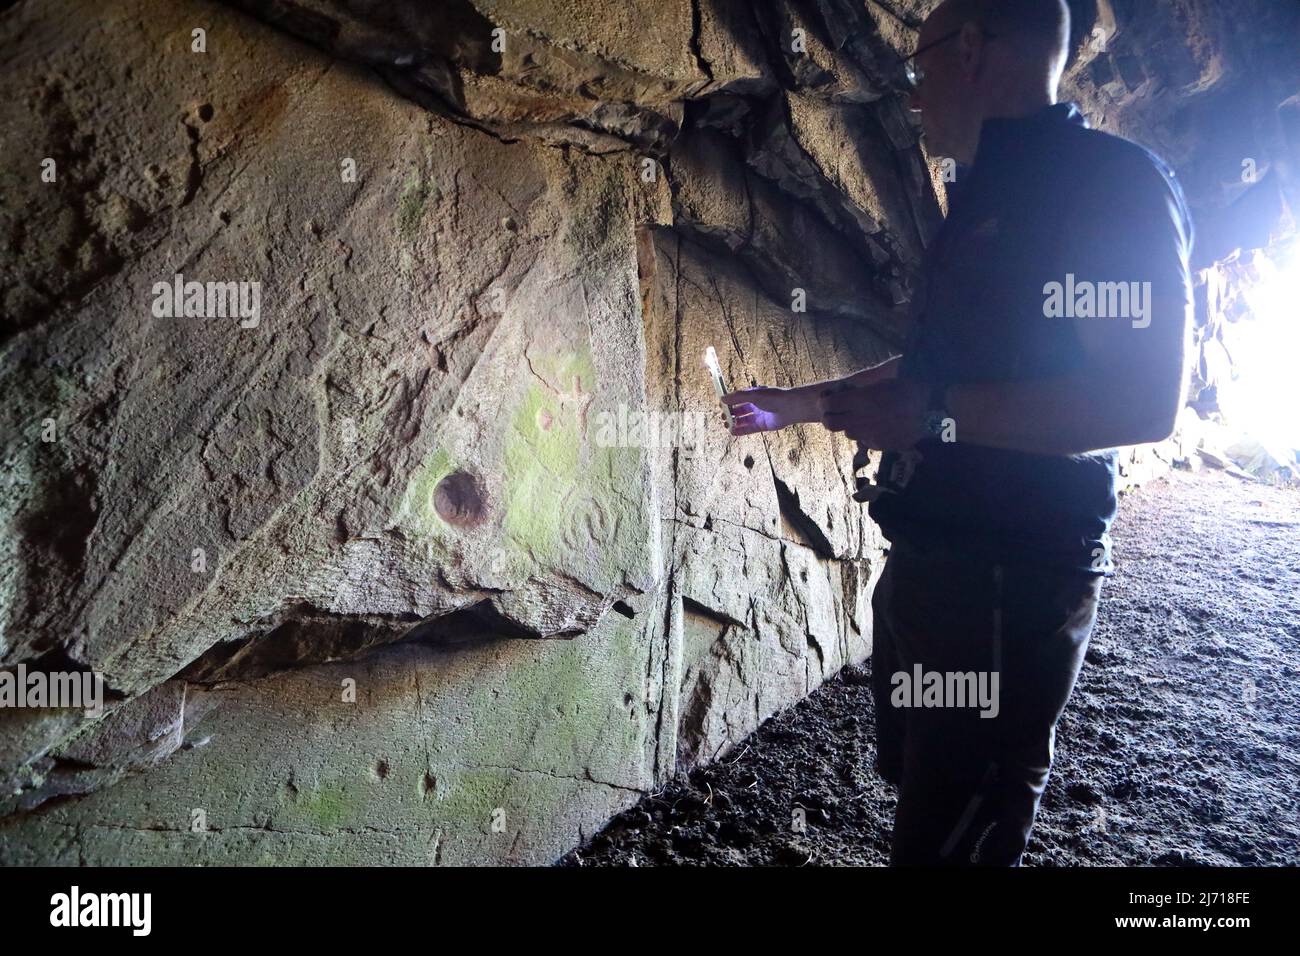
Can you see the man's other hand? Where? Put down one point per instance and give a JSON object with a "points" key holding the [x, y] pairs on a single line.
{"points": [[889, 416]]}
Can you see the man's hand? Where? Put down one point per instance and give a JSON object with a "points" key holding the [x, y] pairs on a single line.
{"points": [[887, 416], [771, 409]]}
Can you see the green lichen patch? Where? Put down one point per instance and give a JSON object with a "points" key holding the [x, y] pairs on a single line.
{"points": [[415, 194], [323, 808], [547, 460]]}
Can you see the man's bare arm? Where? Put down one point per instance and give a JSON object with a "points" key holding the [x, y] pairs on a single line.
{"points": [[811, 394], [871, 376], [1129, 394], [770, 409]]}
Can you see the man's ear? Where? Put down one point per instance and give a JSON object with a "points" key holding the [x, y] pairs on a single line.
{"points": [[970, 49]]}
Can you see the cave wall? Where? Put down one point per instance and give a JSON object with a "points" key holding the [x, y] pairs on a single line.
{"points": [[367, 579], [363, 578]]}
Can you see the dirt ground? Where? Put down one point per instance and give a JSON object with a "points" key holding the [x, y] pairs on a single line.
{"points": [[1180, 746]]}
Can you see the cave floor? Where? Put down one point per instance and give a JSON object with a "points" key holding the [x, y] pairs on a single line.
{"points": [[1180, 745]]}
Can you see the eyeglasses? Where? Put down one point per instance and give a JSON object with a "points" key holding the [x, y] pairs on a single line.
{"points": [[911, 75]]}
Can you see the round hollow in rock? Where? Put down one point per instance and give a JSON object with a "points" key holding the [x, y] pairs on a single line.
{"points": [[459, 500]]}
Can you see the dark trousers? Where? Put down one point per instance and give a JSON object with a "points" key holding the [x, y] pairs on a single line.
{"points": [[969, 785]]}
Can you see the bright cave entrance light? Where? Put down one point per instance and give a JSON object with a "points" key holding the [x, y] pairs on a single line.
{"points": [[1262, 399]]}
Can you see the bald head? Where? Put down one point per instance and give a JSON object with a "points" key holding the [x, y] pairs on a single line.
{"points": [[1038, 29], [987, 58]]}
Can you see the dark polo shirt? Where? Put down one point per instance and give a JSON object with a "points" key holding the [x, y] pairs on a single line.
{"points": [[1047, 198]]}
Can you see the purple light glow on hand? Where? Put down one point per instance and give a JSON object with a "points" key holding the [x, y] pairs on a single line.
{"points": [[750, 418]]}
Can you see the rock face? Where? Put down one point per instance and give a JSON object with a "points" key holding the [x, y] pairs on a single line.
{"points": [[435, 551], [442, 553]]}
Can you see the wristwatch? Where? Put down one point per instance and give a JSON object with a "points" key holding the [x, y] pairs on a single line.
{"points": [[936, 413]]}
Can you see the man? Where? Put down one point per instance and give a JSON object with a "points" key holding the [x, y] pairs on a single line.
{"points": [[1049, 329]]}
